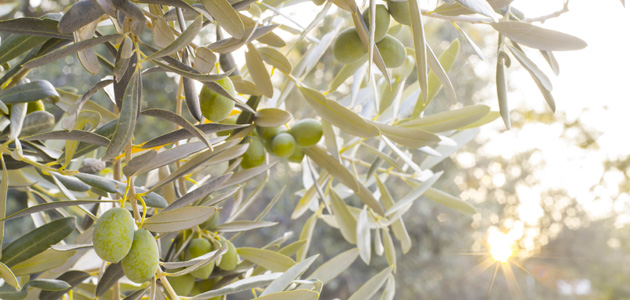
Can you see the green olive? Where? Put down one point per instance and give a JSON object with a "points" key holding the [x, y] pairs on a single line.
{"points": [[399, 10], [113, 234], [35, 106], [283, 145], [348, 47], [267, 133], [141, 262], [307, 132], [297, 156], [382, 21], [216, 107], [255, 154], [182, 285], [230, 258], [196, 248], [392, 51]]}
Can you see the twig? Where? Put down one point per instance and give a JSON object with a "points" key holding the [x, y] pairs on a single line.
{"points": [[544, 18]]}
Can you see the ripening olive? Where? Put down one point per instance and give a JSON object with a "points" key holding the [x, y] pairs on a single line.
{"points": [[113, 234], [382, 21], [35, 106], [255, 154], [196, 248], [297, 156], [267, 133], [283, 145], [307, 132], [230, 258], [141, 262], [182, 285], [216, 107], [399, 10], [348, 47], [392, 51]]}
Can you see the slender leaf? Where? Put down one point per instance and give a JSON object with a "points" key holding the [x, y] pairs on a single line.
{"points": [[44, 261], [33, 26], [237, 226], [74, 135], [414, 194], [346, 221], [8, 276], [291, 295], [18, 44], [267, 259], [370, 287], [450, 201], [364, 241], [199, 193], [127, 120], [226, 16], [179, 219], [52, 205], [276, 59], [70, 49], [37, 241], [271, 117], [238, 286], [538, 37], [28, 92], [182, 41]]}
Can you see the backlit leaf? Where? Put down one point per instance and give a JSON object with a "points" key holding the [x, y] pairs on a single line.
{"points": [[538, 37], [179, 219], [267, 259], [226, 16]]}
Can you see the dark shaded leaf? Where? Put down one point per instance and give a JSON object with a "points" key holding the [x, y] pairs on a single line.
{"points": [[80, 14], [52, 205], [127, 120], [37, 241], [179, 120], [37, 122], [138, 162], [182, 134], [28, 92], [73, 278], [112, 274], [34, 26], [68, 50], [74, 135], [18, 44]]}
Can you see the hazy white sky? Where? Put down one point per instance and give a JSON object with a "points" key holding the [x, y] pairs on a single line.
{"points": [[592, 89]]}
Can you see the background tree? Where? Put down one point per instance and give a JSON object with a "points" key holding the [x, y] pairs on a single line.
{"points": [[148, 129]]}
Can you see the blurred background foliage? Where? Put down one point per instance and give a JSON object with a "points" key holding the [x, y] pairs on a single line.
{"points": [[562, 250]]}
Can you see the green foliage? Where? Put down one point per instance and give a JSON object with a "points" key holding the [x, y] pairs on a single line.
{"points": [[207, 141]]}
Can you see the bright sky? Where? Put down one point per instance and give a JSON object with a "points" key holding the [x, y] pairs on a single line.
{"points": [[592, 88]]}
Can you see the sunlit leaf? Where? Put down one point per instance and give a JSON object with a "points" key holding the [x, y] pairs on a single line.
{"points": [[291, 295], [179, 219], [276, 59], [267, 259], [258, 71], [346, 221], [271, 117], [237, 226], [538, 37], [370, 287], [44, 261], [180, 42], [449, 201], [364, 240], [226, 16]]}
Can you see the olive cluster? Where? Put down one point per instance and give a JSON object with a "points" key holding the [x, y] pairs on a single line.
{"points": [[282, 142], [198, 281], [348, 47], [115, 239]]}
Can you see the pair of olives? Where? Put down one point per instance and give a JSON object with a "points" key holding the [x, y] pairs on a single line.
{"points": [[185, 285], [115, 239], [282, 143], [348, 47]]}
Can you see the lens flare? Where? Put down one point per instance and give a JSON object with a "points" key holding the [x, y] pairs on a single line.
{"points": [[500, 246]]}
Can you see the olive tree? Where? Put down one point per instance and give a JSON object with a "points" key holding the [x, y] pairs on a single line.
{"points": [[166, 217]]}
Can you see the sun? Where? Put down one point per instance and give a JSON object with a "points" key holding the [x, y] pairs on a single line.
{"points": [[500, 246]]}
